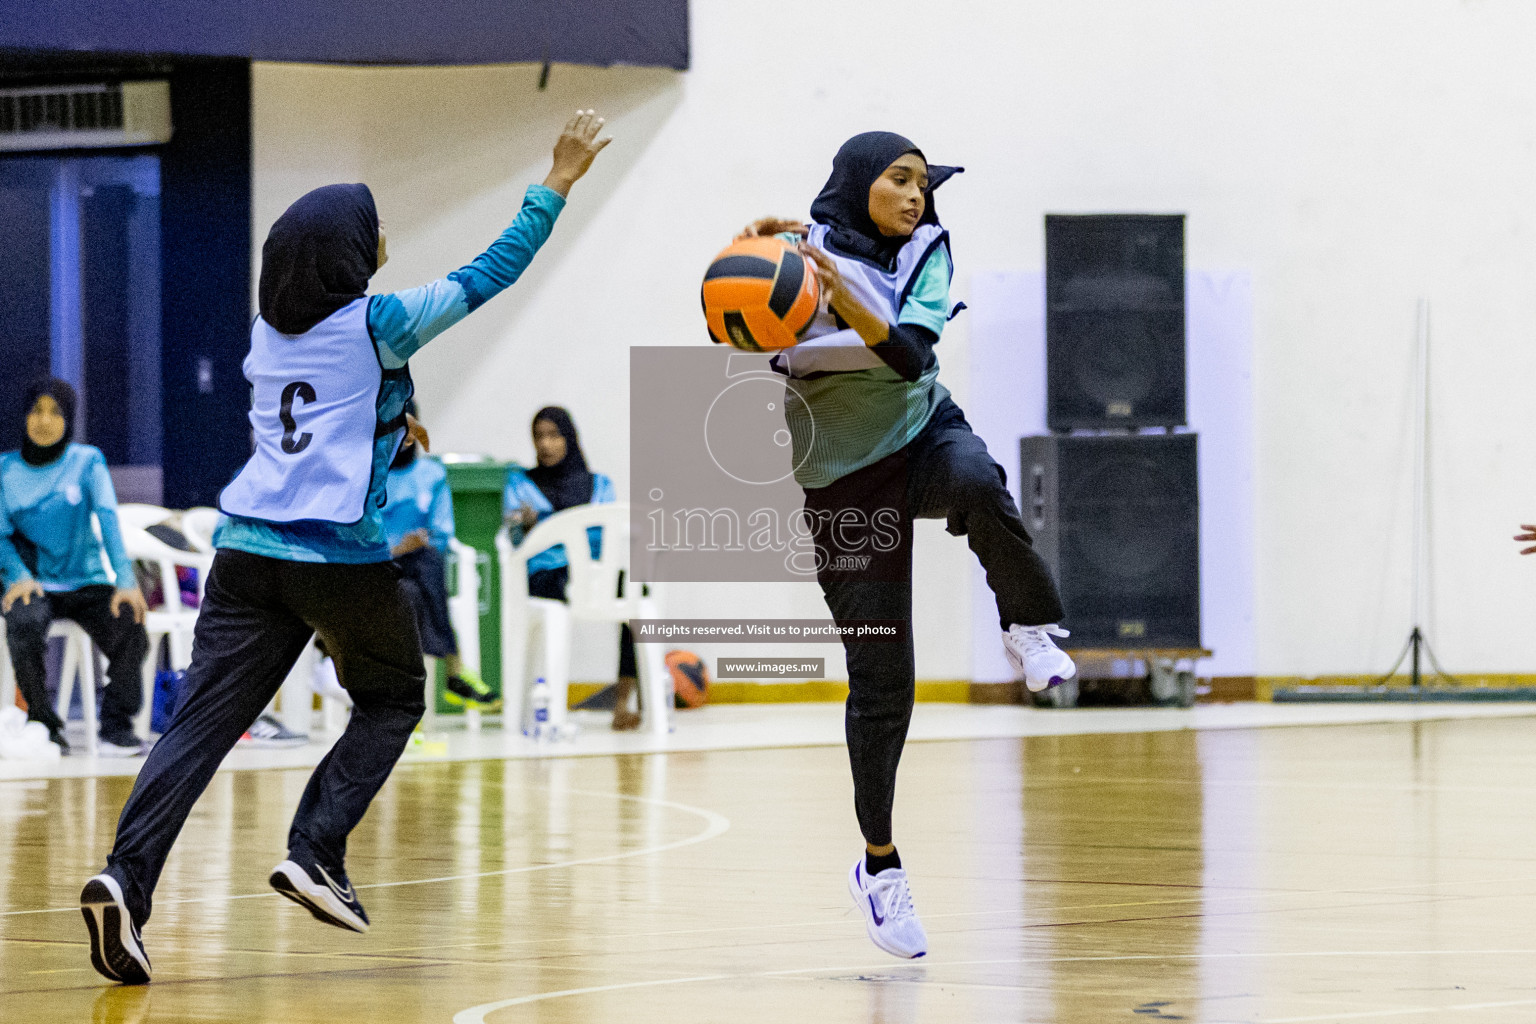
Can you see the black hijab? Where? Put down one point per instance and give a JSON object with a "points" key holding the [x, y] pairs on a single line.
{"points": [[844, 201], [568, 482], [318, 257], [64, 395]]}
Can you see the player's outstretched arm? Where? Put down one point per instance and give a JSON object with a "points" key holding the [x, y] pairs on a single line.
{"points": [[402, 322]]}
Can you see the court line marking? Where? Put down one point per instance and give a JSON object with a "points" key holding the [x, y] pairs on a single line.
{"points": [[717, 825], [477, 1014], [1410, 1011]]}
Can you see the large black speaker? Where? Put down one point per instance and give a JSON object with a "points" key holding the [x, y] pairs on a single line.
{"points": [[1114, 321], [1118, 519]]}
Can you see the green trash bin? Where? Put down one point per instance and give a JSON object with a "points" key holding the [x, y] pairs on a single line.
{"points": [[476, 486]]}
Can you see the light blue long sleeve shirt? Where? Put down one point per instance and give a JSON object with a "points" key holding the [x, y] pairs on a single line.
{"points": [[521, 490], [401, 323], [419, 499], [48, 509]]}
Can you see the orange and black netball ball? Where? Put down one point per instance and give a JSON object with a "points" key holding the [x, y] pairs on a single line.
{"points": [[759, 294]]}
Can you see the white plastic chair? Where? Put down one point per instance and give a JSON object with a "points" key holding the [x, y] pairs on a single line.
{"points": [[7, 673], [79, 667], [197, 525], [591, 596], [141, 516], [171, 620]]}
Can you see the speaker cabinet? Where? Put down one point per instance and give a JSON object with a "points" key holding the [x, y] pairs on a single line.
{"points": [[1114, 321], [1118, 520]]}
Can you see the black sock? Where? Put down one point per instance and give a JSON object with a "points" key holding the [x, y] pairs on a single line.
{"points": [[873, 865]]}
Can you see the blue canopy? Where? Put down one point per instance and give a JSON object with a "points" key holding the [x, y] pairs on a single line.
{"points": [[600, 32]]}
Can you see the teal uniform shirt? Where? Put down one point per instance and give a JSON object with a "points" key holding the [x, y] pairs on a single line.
{"points": [[419, 499], [842, 422], [401, 323], [48, 510]]}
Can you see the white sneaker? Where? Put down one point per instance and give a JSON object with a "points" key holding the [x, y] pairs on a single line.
{"points": [[1036, 657], [117, 950], [886, 901], [127, 745]]}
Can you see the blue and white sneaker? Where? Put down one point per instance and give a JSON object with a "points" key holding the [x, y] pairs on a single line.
{"points": [[1036, 658], [117, 951], [886, 901], [329, 897]]}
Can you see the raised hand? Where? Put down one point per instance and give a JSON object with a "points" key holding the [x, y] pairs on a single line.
{"points": [[832, 287], [1526, 538], [574, 151]]}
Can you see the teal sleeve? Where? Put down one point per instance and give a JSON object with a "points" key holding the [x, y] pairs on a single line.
{"points": [[442, 514], [12, 569], [402, 322], [104, 504], [509, 495], [518, 492], [928, 303]]}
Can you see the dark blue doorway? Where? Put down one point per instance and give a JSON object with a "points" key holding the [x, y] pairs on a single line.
{"points": [[128, 273], [80, 262]]}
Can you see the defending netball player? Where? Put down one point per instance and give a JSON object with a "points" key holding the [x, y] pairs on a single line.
{"points": [[877, 440], [303, 549]]}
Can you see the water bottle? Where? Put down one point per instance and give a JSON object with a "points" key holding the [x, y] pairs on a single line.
{"points": [[539, 699]]}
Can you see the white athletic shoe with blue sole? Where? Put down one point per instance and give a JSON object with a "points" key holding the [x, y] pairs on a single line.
{"points": [[313, 888], [117, 952], [886, 901]]}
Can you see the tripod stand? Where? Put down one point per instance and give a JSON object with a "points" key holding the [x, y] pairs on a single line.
{"points": [[1418, 644]]}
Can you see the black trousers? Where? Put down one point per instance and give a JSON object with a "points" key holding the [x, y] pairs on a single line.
{"points": [[122, 640], [424, 581], [863, 525], [551, 584], [257, 616]]}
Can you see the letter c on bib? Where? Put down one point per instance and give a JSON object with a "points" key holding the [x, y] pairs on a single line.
{"points": [[301, 389]]}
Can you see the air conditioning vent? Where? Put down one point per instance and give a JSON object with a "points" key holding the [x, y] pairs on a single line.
{"points": [[85, 116]]}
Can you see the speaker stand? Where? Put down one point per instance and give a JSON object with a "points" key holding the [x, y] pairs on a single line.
{"points": [[1418, 644]]}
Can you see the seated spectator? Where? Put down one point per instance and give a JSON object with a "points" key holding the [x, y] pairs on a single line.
{"points": [[418, 520], [51, 563], [561, 480]]}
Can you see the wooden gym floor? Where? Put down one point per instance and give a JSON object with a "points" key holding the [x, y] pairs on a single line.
{"points": [[1315, 874]]}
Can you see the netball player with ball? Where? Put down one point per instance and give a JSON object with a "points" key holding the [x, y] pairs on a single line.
{"points": [[302, 548], [889, 446]]}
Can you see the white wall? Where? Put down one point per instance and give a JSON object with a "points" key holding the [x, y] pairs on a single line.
{"points": [[1348, 158]]}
